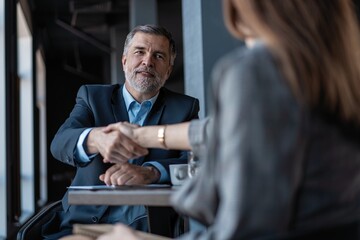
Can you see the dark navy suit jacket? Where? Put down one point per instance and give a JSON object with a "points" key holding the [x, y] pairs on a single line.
{"points": [[100, 105]]}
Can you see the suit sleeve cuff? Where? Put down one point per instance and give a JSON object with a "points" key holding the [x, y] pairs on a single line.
{"points": [[80, 152]]}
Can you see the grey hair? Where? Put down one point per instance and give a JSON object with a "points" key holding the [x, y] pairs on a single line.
{"points": [[152, 29]]}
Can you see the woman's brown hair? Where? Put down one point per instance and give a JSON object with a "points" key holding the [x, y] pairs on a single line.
{"points": [[316, 43]]}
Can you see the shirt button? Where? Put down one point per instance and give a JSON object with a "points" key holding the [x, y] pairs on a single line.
{"points": [[94, 219]]}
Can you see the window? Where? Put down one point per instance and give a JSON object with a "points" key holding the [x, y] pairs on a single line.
{"points": [[41, 106], [18, 121], [25, 66]]}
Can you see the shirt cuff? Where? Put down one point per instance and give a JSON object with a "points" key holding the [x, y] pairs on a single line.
{"points": [[164, 176], [80, 152]]}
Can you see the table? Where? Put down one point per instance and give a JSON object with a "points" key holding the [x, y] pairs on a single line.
{"points": [[161, 216], [132, 196]]}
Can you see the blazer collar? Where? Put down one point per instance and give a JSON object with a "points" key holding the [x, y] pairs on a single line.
{"points": [[153, 118], [118, 104]]}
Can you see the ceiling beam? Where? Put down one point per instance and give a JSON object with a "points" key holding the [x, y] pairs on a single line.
{"points": [[93, 41]]}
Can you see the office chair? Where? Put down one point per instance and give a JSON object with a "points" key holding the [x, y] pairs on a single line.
{"points": [[31, 230]]}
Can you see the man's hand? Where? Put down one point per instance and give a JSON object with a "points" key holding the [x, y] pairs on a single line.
{"points": [[129, 174], [113, 145]]}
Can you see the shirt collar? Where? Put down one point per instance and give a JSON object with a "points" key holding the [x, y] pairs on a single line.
{"points": [[129, 99]]}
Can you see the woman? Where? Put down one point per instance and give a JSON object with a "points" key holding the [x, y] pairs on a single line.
{"points": [[283, 158], [286, 159]]}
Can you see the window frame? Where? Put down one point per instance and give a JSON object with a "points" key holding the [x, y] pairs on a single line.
{"points": [[12, 116]]}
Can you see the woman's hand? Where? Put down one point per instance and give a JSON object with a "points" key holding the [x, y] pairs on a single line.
{"points": [[120, 232], [117, 143]]}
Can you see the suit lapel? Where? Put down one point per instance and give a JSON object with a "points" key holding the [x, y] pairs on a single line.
{"points": [[118, 105], [156, 112]]}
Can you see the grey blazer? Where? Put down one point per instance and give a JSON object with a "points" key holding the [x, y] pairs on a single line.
{"points": [[273, 167]]}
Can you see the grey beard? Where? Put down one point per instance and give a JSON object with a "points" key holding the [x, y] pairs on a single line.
{"points": [[144, 85]]}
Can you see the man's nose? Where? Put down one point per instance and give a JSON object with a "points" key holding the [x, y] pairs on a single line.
{"points": [[148, 60]]}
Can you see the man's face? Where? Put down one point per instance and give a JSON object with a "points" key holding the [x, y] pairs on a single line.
{"points": [[147, 62]]}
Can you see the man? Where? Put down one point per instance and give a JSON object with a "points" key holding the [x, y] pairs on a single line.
{"points": [[82, 141]]}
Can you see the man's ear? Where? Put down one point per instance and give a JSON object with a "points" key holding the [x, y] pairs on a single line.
{"points": [[169, 71], [123, 61]]}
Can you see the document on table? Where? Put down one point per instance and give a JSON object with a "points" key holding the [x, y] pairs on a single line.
{"points": [[122, 187]]}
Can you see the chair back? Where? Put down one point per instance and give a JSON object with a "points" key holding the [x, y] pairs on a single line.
{"points": [[32, 228]]}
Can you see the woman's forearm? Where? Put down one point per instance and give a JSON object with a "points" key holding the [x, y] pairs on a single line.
{"points": [[175, 136]]}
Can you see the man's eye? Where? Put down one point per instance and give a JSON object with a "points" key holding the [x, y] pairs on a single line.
{"points": [[159, 56]]}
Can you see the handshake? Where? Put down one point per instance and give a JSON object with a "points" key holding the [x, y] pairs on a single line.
{"points": [[119, 142]]}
